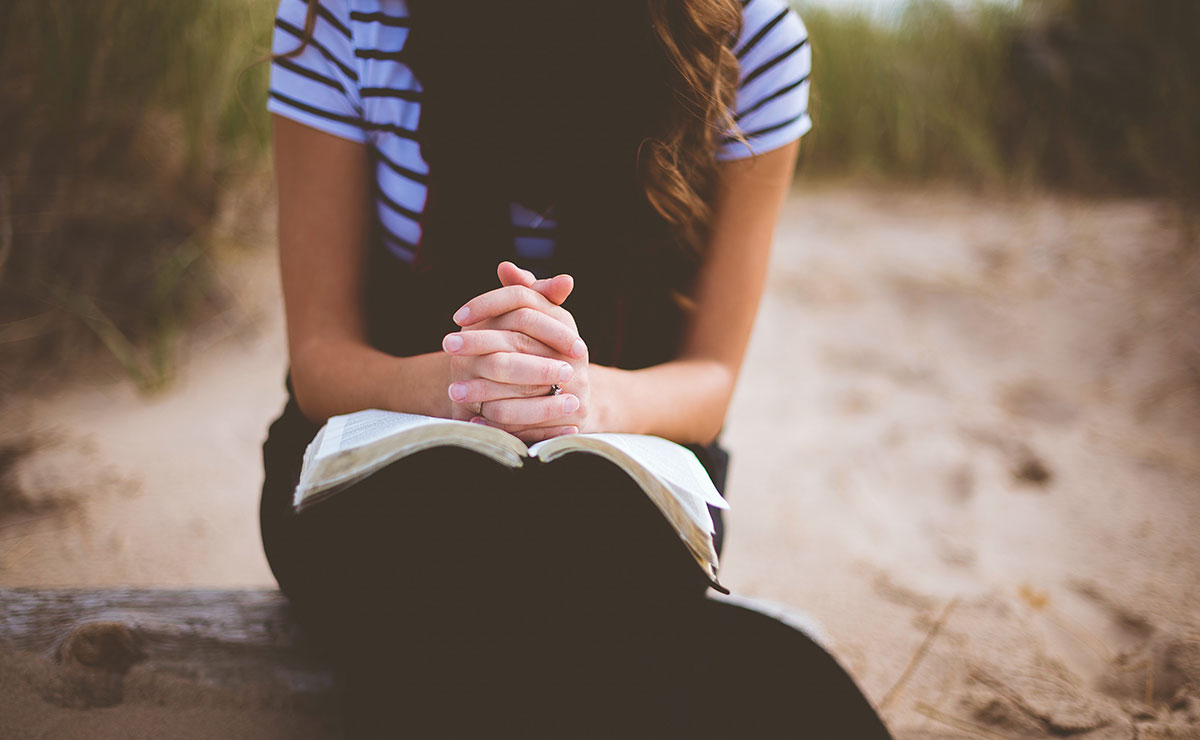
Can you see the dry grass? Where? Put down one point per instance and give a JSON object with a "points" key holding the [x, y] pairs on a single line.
{"points": [[1098, 96], [124, 123]]}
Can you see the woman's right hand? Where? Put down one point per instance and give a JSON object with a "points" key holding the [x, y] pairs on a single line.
{"points": [[518, 354]]}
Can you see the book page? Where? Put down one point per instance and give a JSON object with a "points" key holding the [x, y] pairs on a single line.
{"points": [[671, 463], [353, 446], [364, 427]]}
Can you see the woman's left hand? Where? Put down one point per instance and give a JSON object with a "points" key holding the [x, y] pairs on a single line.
{"points": [[507, 308]]}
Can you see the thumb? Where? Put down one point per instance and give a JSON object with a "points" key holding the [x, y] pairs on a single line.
{"points": [[555, 289], [510, 274]]}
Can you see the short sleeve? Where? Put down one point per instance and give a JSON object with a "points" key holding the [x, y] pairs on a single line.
{"points": [[771, 108], [319, 86]]}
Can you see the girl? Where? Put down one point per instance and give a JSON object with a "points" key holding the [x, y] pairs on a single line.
{"points": [[640, 149]]}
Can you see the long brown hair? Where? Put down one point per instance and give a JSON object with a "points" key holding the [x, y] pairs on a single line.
{"points": [[677, 167]]}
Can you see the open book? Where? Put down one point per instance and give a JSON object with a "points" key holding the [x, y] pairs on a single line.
{"points": [[350, 448]]}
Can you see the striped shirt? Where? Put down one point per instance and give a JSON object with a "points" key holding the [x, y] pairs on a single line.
{"points": [[351, 81]]}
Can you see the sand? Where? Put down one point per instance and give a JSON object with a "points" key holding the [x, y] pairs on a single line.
{"points": [[964, 442]]}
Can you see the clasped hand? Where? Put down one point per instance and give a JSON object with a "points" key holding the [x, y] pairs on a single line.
{"points": [[516, 342]]}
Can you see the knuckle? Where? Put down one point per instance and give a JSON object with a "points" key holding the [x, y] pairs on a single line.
{"points": [[516, 295], [526, 343], [530, 390], [525, 318], [512, 341]]}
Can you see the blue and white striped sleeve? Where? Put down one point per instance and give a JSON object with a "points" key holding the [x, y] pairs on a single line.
{"points": [[319, 86], [772, 98]]}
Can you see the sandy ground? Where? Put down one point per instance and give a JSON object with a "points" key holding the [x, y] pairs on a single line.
{"points": [[964, 441]]}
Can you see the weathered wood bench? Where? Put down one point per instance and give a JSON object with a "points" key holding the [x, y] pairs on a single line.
{"points": [[121, 663], [159, 663]]}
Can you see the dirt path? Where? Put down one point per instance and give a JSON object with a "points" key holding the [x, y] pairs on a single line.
{"points": [[122, 488], [990, 409], [965, 441]]}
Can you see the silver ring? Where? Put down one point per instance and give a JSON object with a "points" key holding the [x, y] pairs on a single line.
{"points": [[555, 390]]}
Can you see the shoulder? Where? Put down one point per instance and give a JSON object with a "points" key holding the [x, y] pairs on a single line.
{"points": [[379, 23], [348, 23], [315, 80], [332, 17], [756, 14], [775, 62], [332, 34], [772, 33]]}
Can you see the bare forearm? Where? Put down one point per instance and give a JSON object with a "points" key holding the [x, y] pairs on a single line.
{"points": [[340, 376], [684, 400]]}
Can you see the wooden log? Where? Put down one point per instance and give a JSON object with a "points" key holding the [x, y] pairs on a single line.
{"points": [[236, 650], [219, 636]]}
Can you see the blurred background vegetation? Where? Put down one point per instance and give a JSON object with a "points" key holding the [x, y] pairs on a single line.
{"points": [[130, 135], [1097, 96], [135, 137]]}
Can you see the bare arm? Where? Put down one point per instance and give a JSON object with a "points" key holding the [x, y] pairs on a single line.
{"points": [[686, 400], [324, 202]]}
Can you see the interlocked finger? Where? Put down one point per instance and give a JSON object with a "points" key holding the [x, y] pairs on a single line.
{"points": [[509, 298], [486, 341], [471, 393], [538, 434], [526, 412], [536, 325], [515, 368]]}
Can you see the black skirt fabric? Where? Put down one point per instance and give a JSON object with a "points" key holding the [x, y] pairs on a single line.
{"points": [[461, 598]]}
